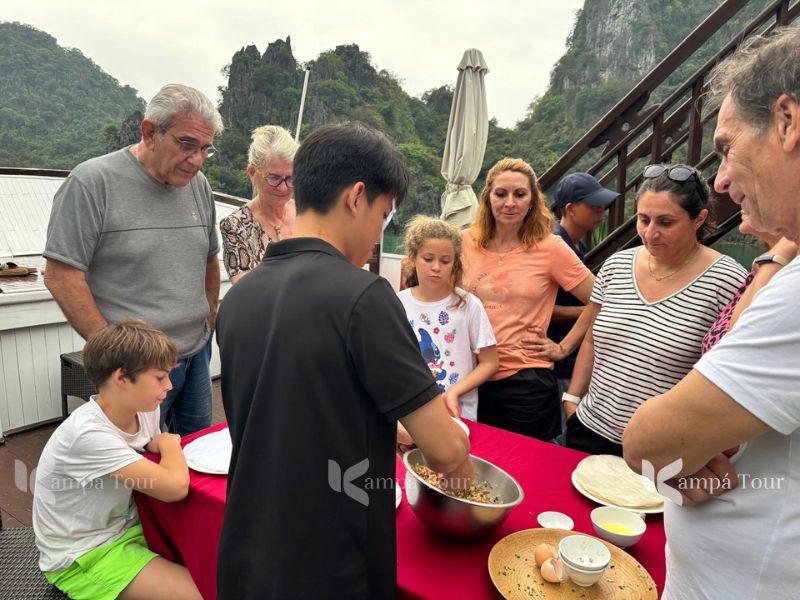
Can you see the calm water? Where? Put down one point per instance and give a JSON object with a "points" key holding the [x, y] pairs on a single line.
{"points": [[744, 255]]}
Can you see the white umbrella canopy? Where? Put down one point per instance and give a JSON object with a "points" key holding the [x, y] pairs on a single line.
{"points": [[465, 145]]}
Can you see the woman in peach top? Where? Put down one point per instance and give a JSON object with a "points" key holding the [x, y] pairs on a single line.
{"points": [[514, 264]]}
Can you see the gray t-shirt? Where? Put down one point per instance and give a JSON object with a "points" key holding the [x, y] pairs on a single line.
{"points": [[143, 245]]}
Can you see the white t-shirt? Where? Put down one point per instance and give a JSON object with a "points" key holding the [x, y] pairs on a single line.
{"points": [[450, 337], [77, 505], [744, 543]]}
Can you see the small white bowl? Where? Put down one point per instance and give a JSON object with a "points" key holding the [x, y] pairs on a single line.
{"points": [[618, 526], [581, 577], [554, 520], [584, 553]]}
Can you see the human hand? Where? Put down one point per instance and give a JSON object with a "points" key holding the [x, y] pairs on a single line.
{"points": [[541, 346], [570, 408], [163, 440], [459, 479], [785, 248], [451, 404], [404, 440], [715, 478]]}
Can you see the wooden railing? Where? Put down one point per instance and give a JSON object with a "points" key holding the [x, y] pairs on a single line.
{"points": [[633, 134]]}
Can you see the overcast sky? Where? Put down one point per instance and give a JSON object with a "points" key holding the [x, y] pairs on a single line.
{"points": [[148, 43]]}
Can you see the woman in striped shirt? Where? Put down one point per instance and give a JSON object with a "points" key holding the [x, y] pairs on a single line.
{"points": [[650, 308]]}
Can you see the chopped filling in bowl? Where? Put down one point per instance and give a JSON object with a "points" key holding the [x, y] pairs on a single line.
{"points": [[476, 492]]}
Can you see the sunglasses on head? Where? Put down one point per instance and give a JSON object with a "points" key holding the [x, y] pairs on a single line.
{"points": [[678, 174]]}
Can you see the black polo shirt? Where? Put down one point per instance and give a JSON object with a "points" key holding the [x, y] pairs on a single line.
{"points": [[318, 363]]}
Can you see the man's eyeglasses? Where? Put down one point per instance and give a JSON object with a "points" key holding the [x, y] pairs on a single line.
{"points": [[190, 147], [388, 218], [678, 174], [276, 180]]}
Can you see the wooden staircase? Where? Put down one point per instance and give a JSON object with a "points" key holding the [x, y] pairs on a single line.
{"points": [[635, 133]]}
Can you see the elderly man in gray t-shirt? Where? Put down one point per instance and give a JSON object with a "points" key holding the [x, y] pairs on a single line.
{"points": [[133, 233]]}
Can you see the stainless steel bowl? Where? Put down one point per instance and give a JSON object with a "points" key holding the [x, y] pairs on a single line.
{"points": [[454, 517]]}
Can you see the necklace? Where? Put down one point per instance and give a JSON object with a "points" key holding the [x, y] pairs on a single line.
{"points": [[671, 273], [277, 229], [502, 256]]}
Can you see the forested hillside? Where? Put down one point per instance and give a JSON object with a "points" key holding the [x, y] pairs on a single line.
{"points": [[58, 108], [54, 102]]}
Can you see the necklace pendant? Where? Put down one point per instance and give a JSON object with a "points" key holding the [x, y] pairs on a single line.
{"points": [[500, 263]]}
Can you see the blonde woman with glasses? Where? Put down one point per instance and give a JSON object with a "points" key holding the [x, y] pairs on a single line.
{"points": [[269, 216]]}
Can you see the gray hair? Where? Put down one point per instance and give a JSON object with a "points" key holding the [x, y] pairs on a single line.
{"points": [[757, 74], [176, 99], [268, 142]]}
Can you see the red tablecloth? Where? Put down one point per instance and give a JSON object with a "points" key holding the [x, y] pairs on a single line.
{"points": [[428, 565]]}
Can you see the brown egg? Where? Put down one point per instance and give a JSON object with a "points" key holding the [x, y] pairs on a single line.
{"points": [[552, 570], [543, 552]]}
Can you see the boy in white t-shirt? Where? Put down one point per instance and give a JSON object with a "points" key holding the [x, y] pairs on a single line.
{"points": [[87, 528]]}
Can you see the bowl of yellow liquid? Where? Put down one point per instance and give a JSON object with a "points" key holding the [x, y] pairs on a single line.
{"points": [[621, 527]]}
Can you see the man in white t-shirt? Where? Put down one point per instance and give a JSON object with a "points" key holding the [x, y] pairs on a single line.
{"points": [[734, 533]]}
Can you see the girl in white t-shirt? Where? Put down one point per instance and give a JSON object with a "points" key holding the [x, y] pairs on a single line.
{"points": [[454, 333]]}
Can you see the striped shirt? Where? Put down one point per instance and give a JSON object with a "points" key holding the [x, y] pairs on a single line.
{"points": [[641, 348]]}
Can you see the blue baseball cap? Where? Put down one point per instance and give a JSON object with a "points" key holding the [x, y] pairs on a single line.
{"points": [[582, 187]]}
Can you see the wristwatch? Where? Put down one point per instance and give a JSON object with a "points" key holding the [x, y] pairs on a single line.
{"points": [[572, 398], [770, 258]]}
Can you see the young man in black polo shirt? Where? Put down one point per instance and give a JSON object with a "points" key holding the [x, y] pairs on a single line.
{"points": [[318, 365]]}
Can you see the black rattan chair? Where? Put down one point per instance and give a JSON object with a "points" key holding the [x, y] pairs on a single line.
{"points": [[20, 577], [73, 380]]}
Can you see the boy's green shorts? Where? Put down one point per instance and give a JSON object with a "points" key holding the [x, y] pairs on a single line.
{"points": [[102, 573]]}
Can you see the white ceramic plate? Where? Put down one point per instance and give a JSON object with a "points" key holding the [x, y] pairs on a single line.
{"points": [[210, 453], [203, 469], [462, 425], [647, 511]]}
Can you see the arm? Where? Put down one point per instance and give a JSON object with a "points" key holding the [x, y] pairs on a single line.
{"points": [[71, 291], [212, 289], [572, 340], [488, 363], [444, 445], [694, 422], [167, 481], [238, 276], [566, 314], [765, 272], [545, 347], [582, 371]]}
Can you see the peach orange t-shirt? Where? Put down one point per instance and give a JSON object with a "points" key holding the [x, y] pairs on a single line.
{"points": [[520, 293]]}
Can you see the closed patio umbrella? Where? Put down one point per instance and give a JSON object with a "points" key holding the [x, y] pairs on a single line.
{"points": [[465, 145]]}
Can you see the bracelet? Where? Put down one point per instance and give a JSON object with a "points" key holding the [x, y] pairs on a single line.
{"points": [[770, 258], [571, 398]]}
